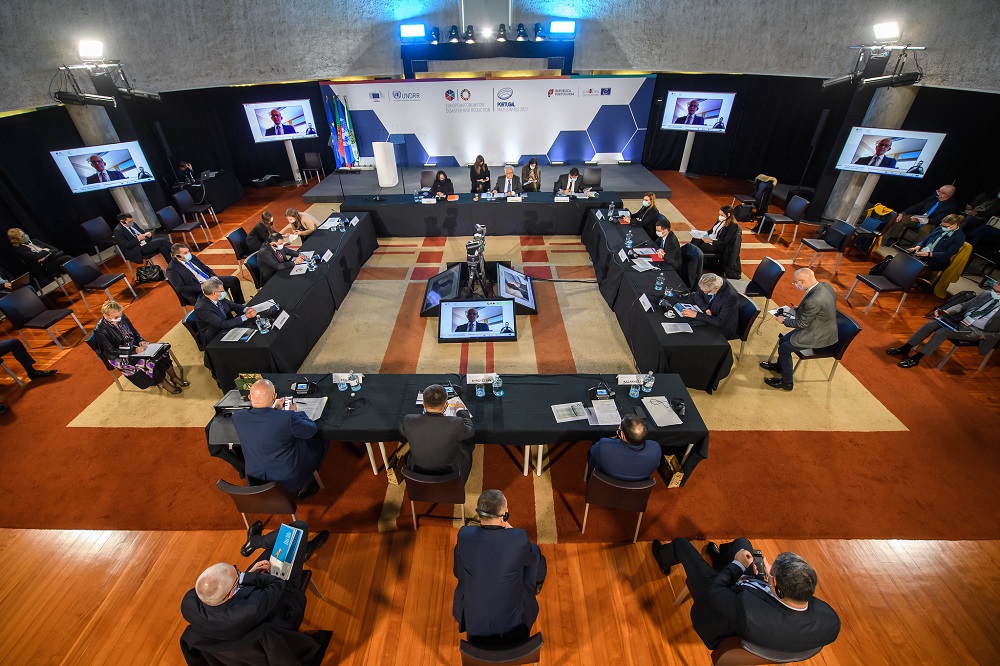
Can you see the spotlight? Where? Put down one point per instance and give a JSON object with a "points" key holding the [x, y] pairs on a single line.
{"points": [[886, 32], [435, 35], [502, 33], [562, 29], [85, 99], [470, 35], [891, 80], [486, 33], [129, 93], [412, 33], [851, 78], [91, 49], [539, 33], [522, 33], [453, 34]]}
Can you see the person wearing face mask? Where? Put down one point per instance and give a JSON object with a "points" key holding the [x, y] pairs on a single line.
{"points": [[214, 313], [628, 456], [531, 176], [41, 259], [302, 224], [570, 183], [647, 215], [276, 257], [723, 242], [186, 273], [719, 302], [667, 246], [257, 238], [442, 185], [979, 211], [120, 344], [814, 323], [941, 244], [978, 319]]}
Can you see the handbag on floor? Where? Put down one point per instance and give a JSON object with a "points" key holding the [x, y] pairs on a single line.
{"points": [[149, 272]]}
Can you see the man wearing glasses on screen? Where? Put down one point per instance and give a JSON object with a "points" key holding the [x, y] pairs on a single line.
{"points": [[879, 159], [102, 175], [279, 127]]}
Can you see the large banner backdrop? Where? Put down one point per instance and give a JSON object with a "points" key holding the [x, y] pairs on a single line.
{"points": [[450, 121]]}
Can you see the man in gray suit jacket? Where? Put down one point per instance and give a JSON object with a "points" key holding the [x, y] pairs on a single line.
{"points": [[815, 324], [437, 441]]}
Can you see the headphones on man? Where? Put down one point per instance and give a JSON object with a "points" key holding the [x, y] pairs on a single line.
{"points": [[483, 514]]}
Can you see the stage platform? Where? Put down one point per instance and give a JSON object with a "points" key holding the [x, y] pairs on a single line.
{"points": [[630, 181]]}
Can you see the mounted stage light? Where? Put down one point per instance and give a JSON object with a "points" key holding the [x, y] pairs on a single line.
{"points": [[486, 33], [562, 29], [91, 49], [539, 33], [85, 99], [891, 80], [522, 33], [412, 33], [502, 33], [470, 35], [851, 78], [886, 32], [435, 35], [453, 34]]}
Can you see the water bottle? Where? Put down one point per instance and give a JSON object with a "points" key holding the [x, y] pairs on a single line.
{"points": [[263, 325], [480, 390], [497, 385], [311, 265], [342, 383], [628, 242], [658, 287], [416, 197], [633, 391], [354, 381], [647, 383], [611, 211]]}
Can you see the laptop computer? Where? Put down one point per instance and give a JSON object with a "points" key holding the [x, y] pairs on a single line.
{"points": [[22, 281]]}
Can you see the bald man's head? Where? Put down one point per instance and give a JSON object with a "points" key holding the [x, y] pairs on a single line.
{"points": [[262, 393], [804, 278], [946, 192], [216, 583]]}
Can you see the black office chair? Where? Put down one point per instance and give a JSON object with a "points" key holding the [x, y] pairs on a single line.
{"points": [[426, 179], [254, 268], [101, 237], [24, 310], [736, 651], [794, 211], [85, 274], [604, 490], [269, 498], [835, 238], [760, 198], [434, 488], [509, 655], [313, 164], [172, 222], [238, 240], [745, 317], [900, 275], [187, 206], [592, 177], [847, 330], [765, 278], [868, 234], [192, 328], [92, 343]]}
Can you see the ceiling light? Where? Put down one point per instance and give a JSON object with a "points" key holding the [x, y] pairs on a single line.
{"points": [[886, 32], [91, 49]]}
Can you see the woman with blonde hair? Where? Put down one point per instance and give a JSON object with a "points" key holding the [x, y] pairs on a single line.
{"points": [[299, 223], [42, 259], [121, 345]]}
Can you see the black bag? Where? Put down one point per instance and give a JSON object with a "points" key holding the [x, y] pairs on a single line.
{"points": [[149, 272], [743, 212], [879, 268]]}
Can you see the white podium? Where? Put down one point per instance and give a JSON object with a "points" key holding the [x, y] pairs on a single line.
{"points": [[385, 163]]}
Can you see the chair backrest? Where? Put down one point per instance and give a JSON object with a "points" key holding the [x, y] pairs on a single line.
{"points": [[839, 234], [448, 488], [871, 225], [269, 498], [627, 495], [238, 239], [254, 268], [734, 651], [92, 343], [903, 270], [21, 306], [592, 177], [512, 655], [192, 328], [763, 200], [426, 179], [98, 231], [796, 208], [169, 219], [82, 270], [183, 200], [767, 274], [313, 161], [847, 330], [745, 317]]}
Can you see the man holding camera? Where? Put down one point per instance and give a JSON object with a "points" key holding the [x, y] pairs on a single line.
{"points": [[740, 595]]}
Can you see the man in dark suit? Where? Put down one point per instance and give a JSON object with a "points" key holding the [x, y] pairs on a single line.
{"points": [[937, 249], [879, 159], [213, 313], [278, 128], [508, 183], [628, 456], [667, 246], [815, 324], [719, 302], [277, 443], [499, 573], [102, 175], [439, 442], [472, 325], [922, 216], [186, 273], [774, 608], [978, 320], [138, 245], [230, 611], [692, 117], [275, 257], [570, 183]]}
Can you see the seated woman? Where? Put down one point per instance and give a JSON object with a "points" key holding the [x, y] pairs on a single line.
{"points": [[261, 232], [302, 224], [647, 215], [723, 243], [442, 186], [119, 343], [531, 176], [479, 174], [42, 260]]}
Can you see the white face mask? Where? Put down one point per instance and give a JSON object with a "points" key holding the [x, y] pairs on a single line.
{"points": [[278, 247], [661, 234], [722, 218], [115, 321], [645, 203], [187, 257]]}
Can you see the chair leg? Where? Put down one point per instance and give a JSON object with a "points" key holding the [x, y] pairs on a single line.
{"points": [[128, 265], [795, 231], [538, 465], [294, 519], [837, 267], [774, 351], [463, 503], [371, 458], [180, 367], [947, 356], [79, 325], [814, 257], [319, 481], [527, 458], [11, 373], [685, 592], [801, 243], [773, 227], [204, 230], [25, 341], [871, 302], [100, 259], [985, 359], [83, 295], [58, 344], [851, 290], [833, 370], [743, 343], [796, 366], [586, 511], [635, 536], [212, 213], [901, 302], [413, 510], [129, 285], [314, 588], [245, 520]]}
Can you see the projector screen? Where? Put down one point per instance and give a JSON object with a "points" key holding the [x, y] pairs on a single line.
{"points": [[889, 152], [697, 111], [278, 121], [103, 167], [488, 320]]}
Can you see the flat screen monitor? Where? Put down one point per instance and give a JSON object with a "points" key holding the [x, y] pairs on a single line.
{"points": [[516, 286], [442, 287], [889, 152], [278, 121], [103, 167], [486, 320], [698, 111]]}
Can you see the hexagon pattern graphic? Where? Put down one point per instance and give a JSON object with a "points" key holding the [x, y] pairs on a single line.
{"points": [[571, 146], [368, 128]]}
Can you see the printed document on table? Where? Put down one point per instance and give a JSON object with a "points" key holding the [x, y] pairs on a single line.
{"points": [[311, 407], [240, 334], [697, 233], [604, 412], [644, 251], [642, 265], [330, 223], [299, 270], [152, 349], [266, 305], [308, 254], [676, 328], [570, 411]]}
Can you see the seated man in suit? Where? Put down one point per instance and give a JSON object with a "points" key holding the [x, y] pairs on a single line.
{"points": [[815, 324], [774, 608], [978, 319], [667, 246], [628, 456], [186, 273], [879, 159], [719, 302], [692, 117], [214, 313], [570, 183], [102, 175], [279, 127], [275, 257], [472, 325], [439, 442], [138, 245], [499, 573], [230, 610], [923, 216], [941, 244], [508, 184], [279, 444]]}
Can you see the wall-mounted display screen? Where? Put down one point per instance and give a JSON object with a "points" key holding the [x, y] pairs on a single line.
{"points": [[889, 152], [278, 121], [103, 167], [697, 111]]}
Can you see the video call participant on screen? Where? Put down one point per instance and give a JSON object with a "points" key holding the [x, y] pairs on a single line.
{"points": [[508, 184], [102, 175], [439, 444], [186, 273], [138, 245], [719, 302], [692, 117], [187, 173], [570, 183], [879, 159], [479, 173], [472, 325], [667, 246], [42, 260], [261, 231], [513, 285], [302, 224], [279, 127], [275, 257], [531, 176], [647, 215], [442, 185], [214, 313]]}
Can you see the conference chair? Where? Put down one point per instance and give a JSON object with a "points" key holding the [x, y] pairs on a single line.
{"points": [[25, 310], [180, 299], [604, 490], [760, 198], [187, 206], [745, 317], [592, 177], [313, 164], [900, 275], [238, 240], [426, 179], [192, 328], [172, 223], [510, 655], [101, 237], [254, 268], [264, 644], [92, 343], [85, 274], [955, 344], [433, 488], [867, 233], [847, 330], [269, 498], [794, 212], [736, 651], [765, 278], [835, 238]]}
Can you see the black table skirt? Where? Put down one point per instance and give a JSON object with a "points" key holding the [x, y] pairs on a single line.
{"points": [[536, 215], [222, 191]]}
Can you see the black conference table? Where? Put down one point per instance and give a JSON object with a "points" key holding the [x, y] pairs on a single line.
{"points": [[702, 358], [536, 215], [521, 417], [310, 300]]}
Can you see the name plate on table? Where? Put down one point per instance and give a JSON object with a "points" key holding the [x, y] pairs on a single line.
{"points": [[280, 320], [629, 380], [646, 305], [622, 256], [299, 269], [599, 214], [480, 378], [328, 255], [560, 198], [514, 199], [354, 221], [428, 200]]}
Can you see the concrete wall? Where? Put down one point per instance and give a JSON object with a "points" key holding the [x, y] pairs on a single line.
{"points": [[203, 43]]}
